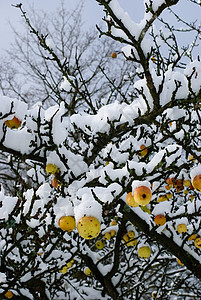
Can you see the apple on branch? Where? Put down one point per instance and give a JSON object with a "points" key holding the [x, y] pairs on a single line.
{"points": [[88, 227], [87, 272], [181, 228], [197, 243], [196, 183], [160, 220], [55, 182], [114, 55], [14, 123], [142, 195], [100, 244], [144, 252], [67, 223], [52, 169], [130, 200]]}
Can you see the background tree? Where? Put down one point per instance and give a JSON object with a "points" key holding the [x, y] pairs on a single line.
{"points": [[126, 172], [29, 75]]}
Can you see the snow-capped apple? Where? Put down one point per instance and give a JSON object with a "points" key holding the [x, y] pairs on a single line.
{"points": [[113, 223], [87, 271], [51, 169], [130, 200], [67, 223], [142, 195], [100, 244], [88, 227], [114, 55], [14, 123], [144, 252], [181, 228], [160, 220], [196, 183], [197, 243]]}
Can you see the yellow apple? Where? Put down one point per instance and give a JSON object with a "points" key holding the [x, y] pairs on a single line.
{"points": [[131, 243], [191, 197], [87, 271], [169, 195], [181, 228], [196, 183], [88, 227], [9, 294], [69, 264], [197, 243], [186, 183], [162, 198], [125, 238], [160, 220], [130, 200], [144, 252], [142, 195], [13, 123], [113, 223], [67, 223], [107, 236], [100, 244], [112, 232], [179, 262], [192, 237], [51, 169], [131, 234], [154, 294], [64, 270], [191, 157], [143, 151]]}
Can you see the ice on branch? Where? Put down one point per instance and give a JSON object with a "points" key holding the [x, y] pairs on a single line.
{"points": [[50, 43], [66, 84], [7, 205], [193, 73], [12, 107]]}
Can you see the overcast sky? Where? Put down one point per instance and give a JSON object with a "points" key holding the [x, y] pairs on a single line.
{"points": [[92, 13]]}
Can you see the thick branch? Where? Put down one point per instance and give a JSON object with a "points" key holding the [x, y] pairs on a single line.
{"points": [[23, 157], [189, 261], [105, 281]]}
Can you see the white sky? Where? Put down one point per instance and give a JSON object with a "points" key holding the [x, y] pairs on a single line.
{"points": [[92, 13]]}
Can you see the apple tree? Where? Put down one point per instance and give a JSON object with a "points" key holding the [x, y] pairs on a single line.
{"points": [[110, 204]]}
